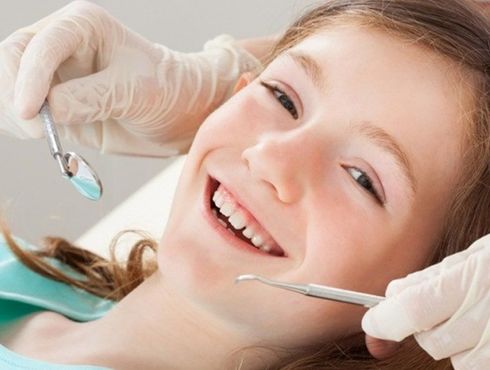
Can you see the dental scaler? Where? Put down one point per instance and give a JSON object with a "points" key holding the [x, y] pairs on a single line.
{"points": [[319, 291]]}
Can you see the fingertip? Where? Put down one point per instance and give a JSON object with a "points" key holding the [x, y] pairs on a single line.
{"points": [[388, 321], [368, 323], [394, 287], [26, 110], [29, 96]]}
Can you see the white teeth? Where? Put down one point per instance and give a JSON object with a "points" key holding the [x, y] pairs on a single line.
{"points": [[248, 232], [237, 220], [218, 199], [227, 209], [257, 241], [265, 248]]}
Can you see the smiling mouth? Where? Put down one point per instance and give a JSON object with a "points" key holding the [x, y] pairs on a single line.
{"points": [[239, 222]]}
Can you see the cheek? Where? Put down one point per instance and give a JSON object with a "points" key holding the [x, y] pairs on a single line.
{"points": [[346, 253], [351, 249]]}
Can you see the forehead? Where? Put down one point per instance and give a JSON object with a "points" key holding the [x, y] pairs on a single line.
{"points": [[362, 53]]}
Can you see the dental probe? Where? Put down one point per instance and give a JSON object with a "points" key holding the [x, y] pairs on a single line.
{"points": [[320, 291]]}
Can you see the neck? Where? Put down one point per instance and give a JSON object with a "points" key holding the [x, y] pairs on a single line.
{"points": [[153, 328]]}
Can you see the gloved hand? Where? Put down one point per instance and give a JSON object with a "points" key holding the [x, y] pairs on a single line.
{"points": [[446, 307], [132, 95]]}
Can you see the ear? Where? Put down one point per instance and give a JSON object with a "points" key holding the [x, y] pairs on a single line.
{"points": [[243, 80]]}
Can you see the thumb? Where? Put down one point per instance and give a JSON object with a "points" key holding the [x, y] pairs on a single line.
{"points": [[83, 100]]}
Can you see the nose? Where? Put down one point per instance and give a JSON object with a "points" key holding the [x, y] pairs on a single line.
{"points": [[286, 161]]}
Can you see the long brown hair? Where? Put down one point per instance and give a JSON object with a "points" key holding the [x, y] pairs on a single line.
{"points": [[456, 29]]}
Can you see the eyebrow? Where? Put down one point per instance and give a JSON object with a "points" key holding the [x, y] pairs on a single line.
{"points": [[311, 67], [389, 144]]}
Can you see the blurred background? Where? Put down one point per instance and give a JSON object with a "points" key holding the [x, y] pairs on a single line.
{"points": [[34, 199]]}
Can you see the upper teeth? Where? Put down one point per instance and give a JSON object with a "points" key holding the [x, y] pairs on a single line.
{"points": [[238, 219]]}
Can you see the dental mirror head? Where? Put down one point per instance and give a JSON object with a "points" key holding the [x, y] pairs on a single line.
{"points": [[83, 177], [73, 167]]}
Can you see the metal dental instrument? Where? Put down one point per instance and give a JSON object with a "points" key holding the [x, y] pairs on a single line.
{"points": [[320, 291], [73, 167]]}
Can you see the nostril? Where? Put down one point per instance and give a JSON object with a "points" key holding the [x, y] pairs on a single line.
{"points": [[278, 170], [272, 187], [244, 158]]}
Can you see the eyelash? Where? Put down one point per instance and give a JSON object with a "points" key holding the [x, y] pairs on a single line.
{"points": [[282, 98], [288, 104], [366, 183]]}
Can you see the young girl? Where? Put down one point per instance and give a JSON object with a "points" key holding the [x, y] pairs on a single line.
{"points": [[360, 154]]}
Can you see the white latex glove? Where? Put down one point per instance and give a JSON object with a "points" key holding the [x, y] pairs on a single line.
{"points": [[446, 307], [132, 96]]}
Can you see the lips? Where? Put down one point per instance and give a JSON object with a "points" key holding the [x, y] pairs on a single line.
{"points": [[212, 186]]}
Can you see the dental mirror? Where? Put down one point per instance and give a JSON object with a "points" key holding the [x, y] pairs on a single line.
{"points": [[83, 177], [73, 167]]}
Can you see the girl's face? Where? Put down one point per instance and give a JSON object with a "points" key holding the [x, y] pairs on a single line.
{"points": [[345, 151]]}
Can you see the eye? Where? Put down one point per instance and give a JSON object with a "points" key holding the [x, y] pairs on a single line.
{"points": [[282, 98], [365, 181]]}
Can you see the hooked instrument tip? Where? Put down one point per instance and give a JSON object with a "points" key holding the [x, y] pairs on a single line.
{"points": [[246, 277]]}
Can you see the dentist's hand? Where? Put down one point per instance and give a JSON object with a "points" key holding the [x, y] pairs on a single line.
{"points": [[446, 307], [113, 89]]}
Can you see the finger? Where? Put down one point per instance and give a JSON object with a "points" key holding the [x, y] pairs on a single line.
{"points": [[11, 50], [46, 51], [17, 40], [83, 100], [396, 286], [381, 349], [462, 332], [423, 306]]}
